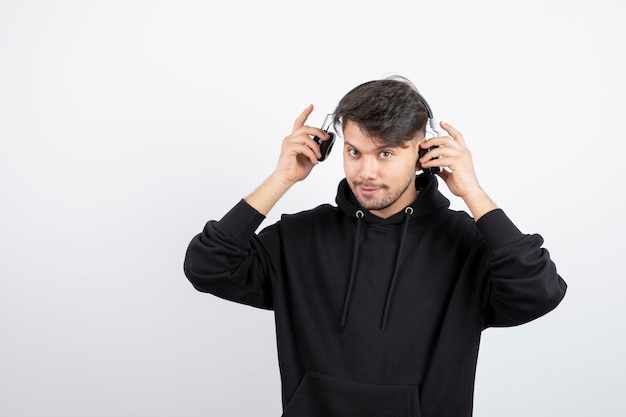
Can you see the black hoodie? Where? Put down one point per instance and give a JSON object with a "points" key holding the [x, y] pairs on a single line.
{"points": [[378, 317]]}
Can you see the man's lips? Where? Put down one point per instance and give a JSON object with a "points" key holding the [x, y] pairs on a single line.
{"points": [[369, 189]]}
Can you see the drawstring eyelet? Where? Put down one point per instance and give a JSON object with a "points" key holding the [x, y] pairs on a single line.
{"points": [[408, 210], [359, 214]]}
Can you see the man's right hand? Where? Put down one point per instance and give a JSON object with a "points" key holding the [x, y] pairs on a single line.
{"points": [[298, 155], [299, 152]]}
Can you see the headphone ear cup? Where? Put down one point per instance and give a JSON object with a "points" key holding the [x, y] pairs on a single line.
{"points": [[325, 145], [432, 170]]}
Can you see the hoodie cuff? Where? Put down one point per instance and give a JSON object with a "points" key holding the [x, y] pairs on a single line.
{"points": [[241, 221], [497, 229]]}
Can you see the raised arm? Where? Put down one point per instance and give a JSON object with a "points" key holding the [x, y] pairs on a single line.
{"points": [[228, 259]]}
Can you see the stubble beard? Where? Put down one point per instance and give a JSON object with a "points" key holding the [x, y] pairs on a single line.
{"points": [[388, 199]]}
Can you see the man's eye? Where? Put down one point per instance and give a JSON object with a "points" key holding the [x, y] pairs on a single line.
{"points": [[385, 154], [353, 152]]}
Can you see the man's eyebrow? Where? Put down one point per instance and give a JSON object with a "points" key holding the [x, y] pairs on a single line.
{"points": [[379, 148]]}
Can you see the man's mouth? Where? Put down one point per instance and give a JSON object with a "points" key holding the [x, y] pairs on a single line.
{"points": [[369, 189]]}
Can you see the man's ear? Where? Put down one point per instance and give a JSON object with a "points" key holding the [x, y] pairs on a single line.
{"points": [[420, 140]]}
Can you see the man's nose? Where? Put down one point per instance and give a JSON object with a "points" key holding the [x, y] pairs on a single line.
{"points": [[368, 168]]}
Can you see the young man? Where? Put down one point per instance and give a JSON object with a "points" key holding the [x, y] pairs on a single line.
{"points": [[380, 301]]}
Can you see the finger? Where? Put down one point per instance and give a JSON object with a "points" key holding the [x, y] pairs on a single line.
{"points": [[442, 157], [306, 151], [456, 135], [437, 152], [311, 131], [439, 142], [297, 143], [302, 118], [431, 161]]}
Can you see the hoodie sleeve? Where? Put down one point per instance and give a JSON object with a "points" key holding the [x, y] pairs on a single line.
{"points": [[229, 260], [524, 282]]}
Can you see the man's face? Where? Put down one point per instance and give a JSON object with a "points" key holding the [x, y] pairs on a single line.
{"points": [[382, 178]]}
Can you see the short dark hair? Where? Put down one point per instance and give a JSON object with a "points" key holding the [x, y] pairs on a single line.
{"points": [[390, 110]]}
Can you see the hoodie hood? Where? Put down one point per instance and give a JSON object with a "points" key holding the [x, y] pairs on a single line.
{"points": [[428, 203]]}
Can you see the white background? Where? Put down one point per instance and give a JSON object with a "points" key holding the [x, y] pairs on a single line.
{"points": [[126, 125]]}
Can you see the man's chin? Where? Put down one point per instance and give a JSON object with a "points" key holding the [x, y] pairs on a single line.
{"points": [[371, 204]]}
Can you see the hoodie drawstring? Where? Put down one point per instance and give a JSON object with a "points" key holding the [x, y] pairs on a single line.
{"points": [[408, 211], [346, 304]]}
